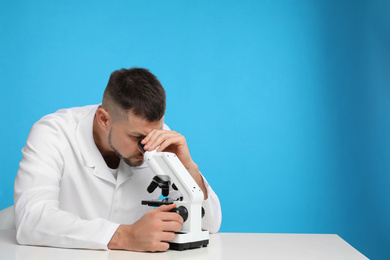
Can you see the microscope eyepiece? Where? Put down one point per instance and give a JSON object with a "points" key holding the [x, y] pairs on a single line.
{"points": [[141, 146]]}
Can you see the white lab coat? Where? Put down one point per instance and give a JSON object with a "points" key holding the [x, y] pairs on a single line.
{"points": [[66, 196]]}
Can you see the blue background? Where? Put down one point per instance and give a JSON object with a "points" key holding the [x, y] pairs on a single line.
{"points": [[285, 104]]}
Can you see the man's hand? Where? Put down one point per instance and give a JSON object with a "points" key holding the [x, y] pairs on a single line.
{"points": [[171, 141], [150, 233]]}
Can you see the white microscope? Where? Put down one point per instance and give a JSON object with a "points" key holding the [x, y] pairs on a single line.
{"points": [[169, 170]]}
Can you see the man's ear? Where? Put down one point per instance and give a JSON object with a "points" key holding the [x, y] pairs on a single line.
{"points": [[103, 119]]}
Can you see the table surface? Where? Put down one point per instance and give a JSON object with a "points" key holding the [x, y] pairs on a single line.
{"points": [[222, 246]]}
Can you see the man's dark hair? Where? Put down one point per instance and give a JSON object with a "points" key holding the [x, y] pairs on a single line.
{"points": [[136, 90]]}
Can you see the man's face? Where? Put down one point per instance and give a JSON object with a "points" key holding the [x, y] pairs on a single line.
{"points": [[124, 136]]}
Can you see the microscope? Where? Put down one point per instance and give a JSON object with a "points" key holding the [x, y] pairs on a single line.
{"points": [[170, 172]]}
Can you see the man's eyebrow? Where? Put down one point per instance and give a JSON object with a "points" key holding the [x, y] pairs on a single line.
{"points": [[137, 134]]}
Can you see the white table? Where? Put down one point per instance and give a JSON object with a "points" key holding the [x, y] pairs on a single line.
{"points": [[222, 246]]}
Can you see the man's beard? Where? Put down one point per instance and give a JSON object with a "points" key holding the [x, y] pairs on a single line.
{"points": [[126, 160]]}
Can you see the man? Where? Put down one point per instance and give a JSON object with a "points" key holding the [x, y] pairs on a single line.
{"points": [[82, 177]]}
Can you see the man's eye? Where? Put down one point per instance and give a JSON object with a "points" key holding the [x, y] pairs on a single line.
{"points": [[136, 137]]}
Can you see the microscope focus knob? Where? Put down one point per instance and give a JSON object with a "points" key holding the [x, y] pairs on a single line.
{"points": [[182, 211]]}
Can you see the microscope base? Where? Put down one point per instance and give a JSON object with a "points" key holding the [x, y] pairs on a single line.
{"points": [[184, 241], [189, 245]]}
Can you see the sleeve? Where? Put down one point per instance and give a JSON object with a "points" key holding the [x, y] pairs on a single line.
{"points": [[213, 214], [38, 218]]}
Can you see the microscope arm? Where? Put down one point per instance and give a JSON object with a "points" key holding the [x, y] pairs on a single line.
{"points": [[168, 167]]}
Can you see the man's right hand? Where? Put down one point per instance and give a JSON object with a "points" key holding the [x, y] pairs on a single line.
{"points": [[150, 233]]}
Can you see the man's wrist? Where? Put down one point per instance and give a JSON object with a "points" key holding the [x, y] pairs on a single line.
{"points": [[117, 240], [193, 168]]}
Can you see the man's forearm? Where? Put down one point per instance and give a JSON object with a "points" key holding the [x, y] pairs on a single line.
{"points": [[197, 176]]}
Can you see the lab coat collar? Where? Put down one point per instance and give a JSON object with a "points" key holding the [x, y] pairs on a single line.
{"points": [[91, 154], [89, 151], [84, 135]]}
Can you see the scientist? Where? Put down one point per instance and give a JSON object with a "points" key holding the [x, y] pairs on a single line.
{"points": [[82, 176]]}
